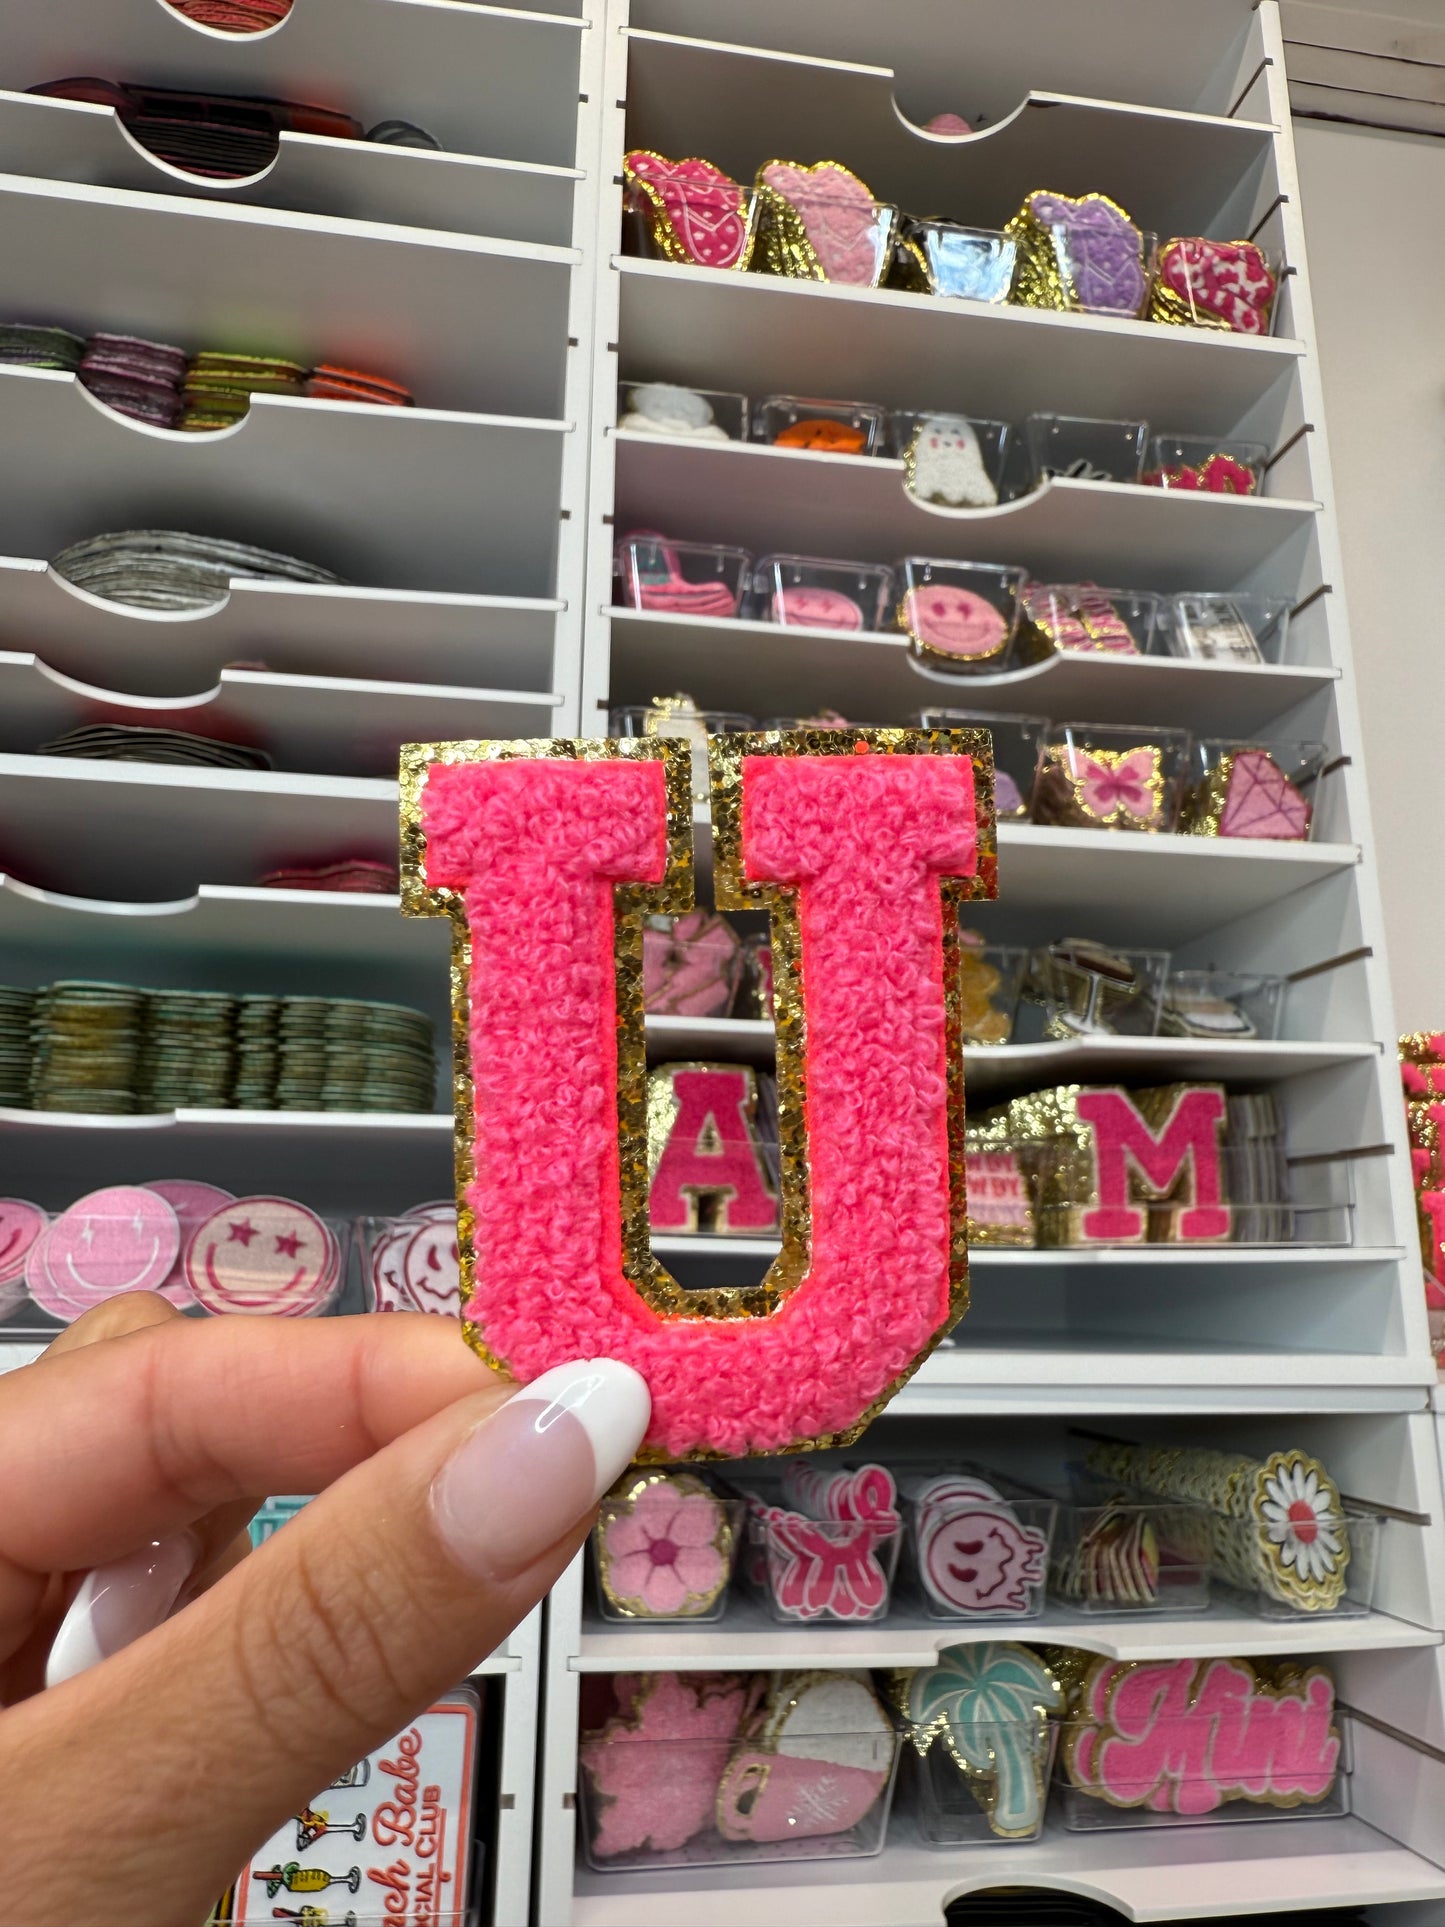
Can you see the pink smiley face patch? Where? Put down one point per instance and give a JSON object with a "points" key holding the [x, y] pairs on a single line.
{"points": [[21, 1227], [806, 608], [192, 1202], [263, 1254], [123, 1238], [954, 621]]}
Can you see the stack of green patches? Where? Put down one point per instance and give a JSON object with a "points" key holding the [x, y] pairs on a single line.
{"points": [[17, 1008], [301, 1061], [27, 346], [218, 387], [257, 1053], [379, 1057], [85, 1047], [186, 1050]]}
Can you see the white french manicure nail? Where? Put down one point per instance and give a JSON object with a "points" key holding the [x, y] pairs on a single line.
{"points": [[119, 1602], [534, 1468]]}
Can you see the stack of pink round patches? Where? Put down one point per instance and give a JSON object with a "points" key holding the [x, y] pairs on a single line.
{"points": [[122, 1238], [21, 1224], [415, 1263], [264, 1254]]}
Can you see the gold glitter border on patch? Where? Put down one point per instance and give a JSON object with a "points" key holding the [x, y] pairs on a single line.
{"points": [[631, 901], [732, 891]]}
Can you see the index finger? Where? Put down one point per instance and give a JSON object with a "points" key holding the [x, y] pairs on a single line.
{"points": [[114, 1444]]}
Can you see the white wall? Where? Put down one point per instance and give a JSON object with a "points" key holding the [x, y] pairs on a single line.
{"points": [[1372, 205]]}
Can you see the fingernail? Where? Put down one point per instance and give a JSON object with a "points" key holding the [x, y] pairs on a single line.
{"points": [[515, 1484], [119, 1602]]}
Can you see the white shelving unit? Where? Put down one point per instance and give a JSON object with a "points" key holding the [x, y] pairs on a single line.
{"points": [[457, 528], [1180, 112]]}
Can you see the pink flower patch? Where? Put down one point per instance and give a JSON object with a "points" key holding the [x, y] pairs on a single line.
{"points": [[665, 1555]]}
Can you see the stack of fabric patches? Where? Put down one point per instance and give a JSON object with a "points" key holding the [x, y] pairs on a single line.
{"points": [[17, 1009], [1258, 1176], [379, 1057], [138, 378], [134, 743], [85, 1048], [334, 1055], [257, 1053], [114, 1048], [187, 1044], [219, 387], [221, 136], [25, 346], [234, 16], [167, 569], [357, 875], [328, 382]]}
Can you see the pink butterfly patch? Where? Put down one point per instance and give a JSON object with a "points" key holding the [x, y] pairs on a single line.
{"points": [[1119, 786]]}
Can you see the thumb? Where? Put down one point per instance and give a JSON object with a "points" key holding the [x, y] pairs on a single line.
{"points": [[380, 1595]]}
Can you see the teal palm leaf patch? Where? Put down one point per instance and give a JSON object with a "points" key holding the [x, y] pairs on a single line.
{"points": [[990, 1705]]}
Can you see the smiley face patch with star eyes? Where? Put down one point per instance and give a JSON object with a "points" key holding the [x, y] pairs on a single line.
{"points": [[264, 1255]]}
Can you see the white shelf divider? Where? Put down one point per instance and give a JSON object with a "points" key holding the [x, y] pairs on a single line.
{"points": [[467, 275], [1250, 1349]]}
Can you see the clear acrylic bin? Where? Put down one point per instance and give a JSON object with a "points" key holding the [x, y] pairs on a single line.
{"points": [[1080, 617], [960, 614], [1078, 988], [681, 578], [690, 414], [1130, 1555], [1230, 628], [1205, 463], [809, 229], [692, 965], [686, 211], [1258, 790], [821, 427], [988, 992], [664, 1548], [819, 1571], [70, 1261], [411, 1263], [805, 592], [1017, 743], [961, 263], [1083, 449], [1224, 285], [734, 1797], [980, 1783], [1219, 1005], [1176, 1773], [1098, 776], [1107, 279], [999, 1188], [1351, 1536], [678, 716], [981, 1558], [956, 461], [826, 719], [1271, 1199]]}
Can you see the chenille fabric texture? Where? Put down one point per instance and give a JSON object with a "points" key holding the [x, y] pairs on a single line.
{"points": [[536, 848]]}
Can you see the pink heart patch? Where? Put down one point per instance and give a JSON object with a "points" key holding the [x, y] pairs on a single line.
{"points": [[1230, 280], [839, 217], [698, 213]]}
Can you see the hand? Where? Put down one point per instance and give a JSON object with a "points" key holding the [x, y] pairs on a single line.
{"points": [[133, 1452]]}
